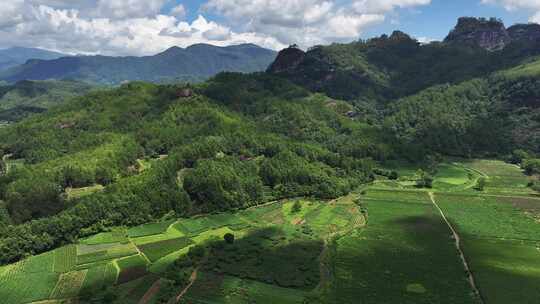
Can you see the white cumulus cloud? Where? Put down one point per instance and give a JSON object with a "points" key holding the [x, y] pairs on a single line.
{"points": [[383, 6], [179, 11], [307, 22], [143, 27], [512, 5]]}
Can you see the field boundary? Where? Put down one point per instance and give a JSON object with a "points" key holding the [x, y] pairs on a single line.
{"points": [[457, 240]]}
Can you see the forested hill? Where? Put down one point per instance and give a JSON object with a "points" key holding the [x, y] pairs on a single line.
{"points": [[26, 97], [390, 67], [466, 96], [133, 154], [195, 63], [18, 55]]}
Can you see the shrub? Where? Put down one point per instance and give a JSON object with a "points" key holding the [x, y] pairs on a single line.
{"points": [[296, 207], [229, 238]]}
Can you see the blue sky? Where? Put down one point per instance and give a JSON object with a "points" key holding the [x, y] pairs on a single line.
{"points": [[432, 21], [144, 27], [435, 20]]}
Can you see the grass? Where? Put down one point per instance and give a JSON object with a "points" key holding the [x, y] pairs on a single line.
{"points": [[212, 234], [161, 265], [329, 218], [73, 193], [403, 245], [65, 258], [396, 196], [149, 229], [297, 217], [528, 69], [171, 233], [134, 290], [102, 253], [505, 271], [98, 277], [29, 280], [487, 217], [19, 288], [403, 169], [212, 288], [132, 261], [155, 251], [260, 256], [37, 264], [115, 236], [69, 284], [500, 174], [196, 225]]}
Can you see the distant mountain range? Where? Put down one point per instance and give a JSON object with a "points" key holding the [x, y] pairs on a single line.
{"points": [[194, 63], [18, 55]]}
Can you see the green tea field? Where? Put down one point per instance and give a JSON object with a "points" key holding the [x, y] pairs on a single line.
{"points": [[389, 242]]}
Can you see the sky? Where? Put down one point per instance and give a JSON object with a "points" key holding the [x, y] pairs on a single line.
{"points": [[147, 27]]}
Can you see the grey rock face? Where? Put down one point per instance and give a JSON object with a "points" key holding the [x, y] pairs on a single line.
{"points": [[489, 34]]}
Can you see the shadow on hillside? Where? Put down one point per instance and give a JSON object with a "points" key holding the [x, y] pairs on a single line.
{"points": [[405, 260], [268, 256]]}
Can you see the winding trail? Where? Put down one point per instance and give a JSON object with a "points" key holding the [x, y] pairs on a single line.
{"points": [[192, 280], [458, 246], [153, 290]]}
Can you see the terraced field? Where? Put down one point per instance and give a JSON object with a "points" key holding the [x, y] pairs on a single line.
{"points": [[387, 243]]}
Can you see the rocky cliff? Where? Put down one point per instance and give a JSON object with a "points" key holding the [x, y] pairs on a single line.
{"points": [[525, 32], [287, 60], [488, 34], [491, 34]]}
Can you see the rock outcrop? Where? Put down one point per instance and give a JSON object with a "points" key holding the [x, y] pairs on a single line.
{"points": [[525, 32], [488, 34], [287, 60], [491, 34]]}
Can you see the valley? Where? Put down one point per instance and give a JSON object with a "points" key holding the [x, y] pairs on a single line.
{"points": [[383, 243]]}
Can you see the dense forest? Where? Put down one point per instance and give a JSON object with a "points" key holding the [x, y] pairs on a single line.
{"points": [[27, 97], [235, 141]]}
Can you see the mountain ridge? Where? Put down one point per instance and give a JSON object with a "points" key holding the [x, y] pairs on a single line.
{"points": [[389, 67], [193, 63], [16, 55]]}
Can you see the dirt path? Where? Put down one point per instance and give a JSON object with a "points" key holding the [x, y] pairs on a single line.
{"points": [[4, 160], [458, 246], [324, 268], [151, 292], [192, 280]]}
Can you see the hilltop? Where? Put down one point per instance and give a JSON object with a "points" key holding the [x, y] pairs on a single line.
{"points": [[26, 97], [491, 34]]}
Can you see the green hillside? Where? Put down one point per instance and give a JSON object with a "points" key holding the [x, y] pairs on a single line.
{"points": [[28, 97], [238, 141], [390, 67]]}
